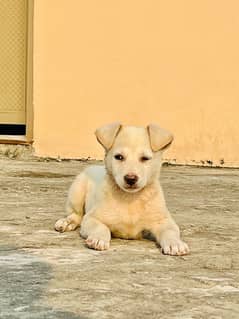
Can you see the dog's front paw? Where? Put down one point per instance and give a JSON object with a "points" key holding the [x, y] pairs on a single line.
{"points": [[66, 224], [97, 244], [174, 247]]}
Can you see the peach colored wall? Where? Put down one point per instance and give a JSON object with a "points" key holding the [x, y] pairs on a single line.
{"points": [[170, 62]]}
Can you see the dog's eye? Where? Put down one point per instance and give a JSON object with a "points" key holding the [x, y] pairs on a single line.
{"points": [[119, 157], [145, 158]]}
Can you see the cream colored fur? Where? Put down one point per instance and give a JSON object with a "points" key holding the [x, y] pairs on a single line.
{"points": [[124, 198]]}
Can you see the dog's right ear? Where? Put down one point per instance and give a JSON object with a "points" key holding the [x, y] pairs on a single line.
{"points": [[106, 134]]}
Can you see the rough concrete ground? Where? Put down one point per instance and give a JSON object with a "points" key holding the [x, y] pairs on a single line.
{"points": [[44, 274]]}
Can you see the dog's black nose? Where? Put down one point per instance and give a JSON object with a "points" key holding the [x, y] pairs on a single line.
{"points": [[131, 179]]}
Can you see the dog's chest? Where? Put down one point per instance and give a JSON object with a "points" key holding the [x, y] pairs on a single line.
{"points": [[125, 220]]}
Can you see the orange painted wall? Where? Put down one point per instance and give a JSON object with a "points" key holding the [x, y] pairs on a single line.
{"points": [[170, 62]]}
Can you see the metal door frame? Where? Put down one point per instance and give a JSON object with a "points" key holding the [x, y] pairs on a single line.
{"points": [[28, 138]]}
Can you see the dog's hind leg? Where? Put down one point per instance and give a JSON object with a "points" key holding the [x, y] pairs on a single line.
{"points": [[74, 205]]}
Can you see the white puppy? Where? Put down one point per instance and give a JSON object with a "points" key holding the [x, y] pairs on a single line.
{"points": [[124, 198]]}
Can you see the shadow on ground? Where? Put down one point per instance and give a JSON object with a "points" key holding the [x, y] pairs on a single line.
{"points": [[24, 279]]}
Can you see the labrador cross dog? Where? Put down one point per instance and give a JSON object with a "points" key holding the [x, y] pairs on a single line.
{"points": [[124, 198]]}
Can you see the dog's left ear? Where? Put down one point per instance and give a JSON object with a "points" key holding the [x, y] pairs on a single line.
{"points": [[159, 138], [106, 134]]}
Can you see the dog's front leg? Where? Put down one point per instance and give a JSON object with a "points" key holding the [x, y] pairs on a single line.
{"points": [[167, 235], [97, 234]]}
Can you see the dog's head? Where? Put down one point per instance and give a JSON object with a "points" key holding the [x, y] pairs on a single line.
{"points": [[133, 154]]}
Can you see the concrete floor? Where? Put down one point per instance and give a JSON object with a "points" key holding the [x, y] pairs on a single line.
{"points": [[44, 274]]}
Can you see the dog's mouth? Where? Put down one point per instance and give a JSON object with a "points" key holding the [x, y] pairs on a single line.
{"points": [[131, 188]]}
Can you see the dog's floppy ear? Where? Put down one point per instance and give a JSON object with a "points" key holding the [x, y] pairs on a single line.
{"points": [[106, 134], [159, 138]]}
